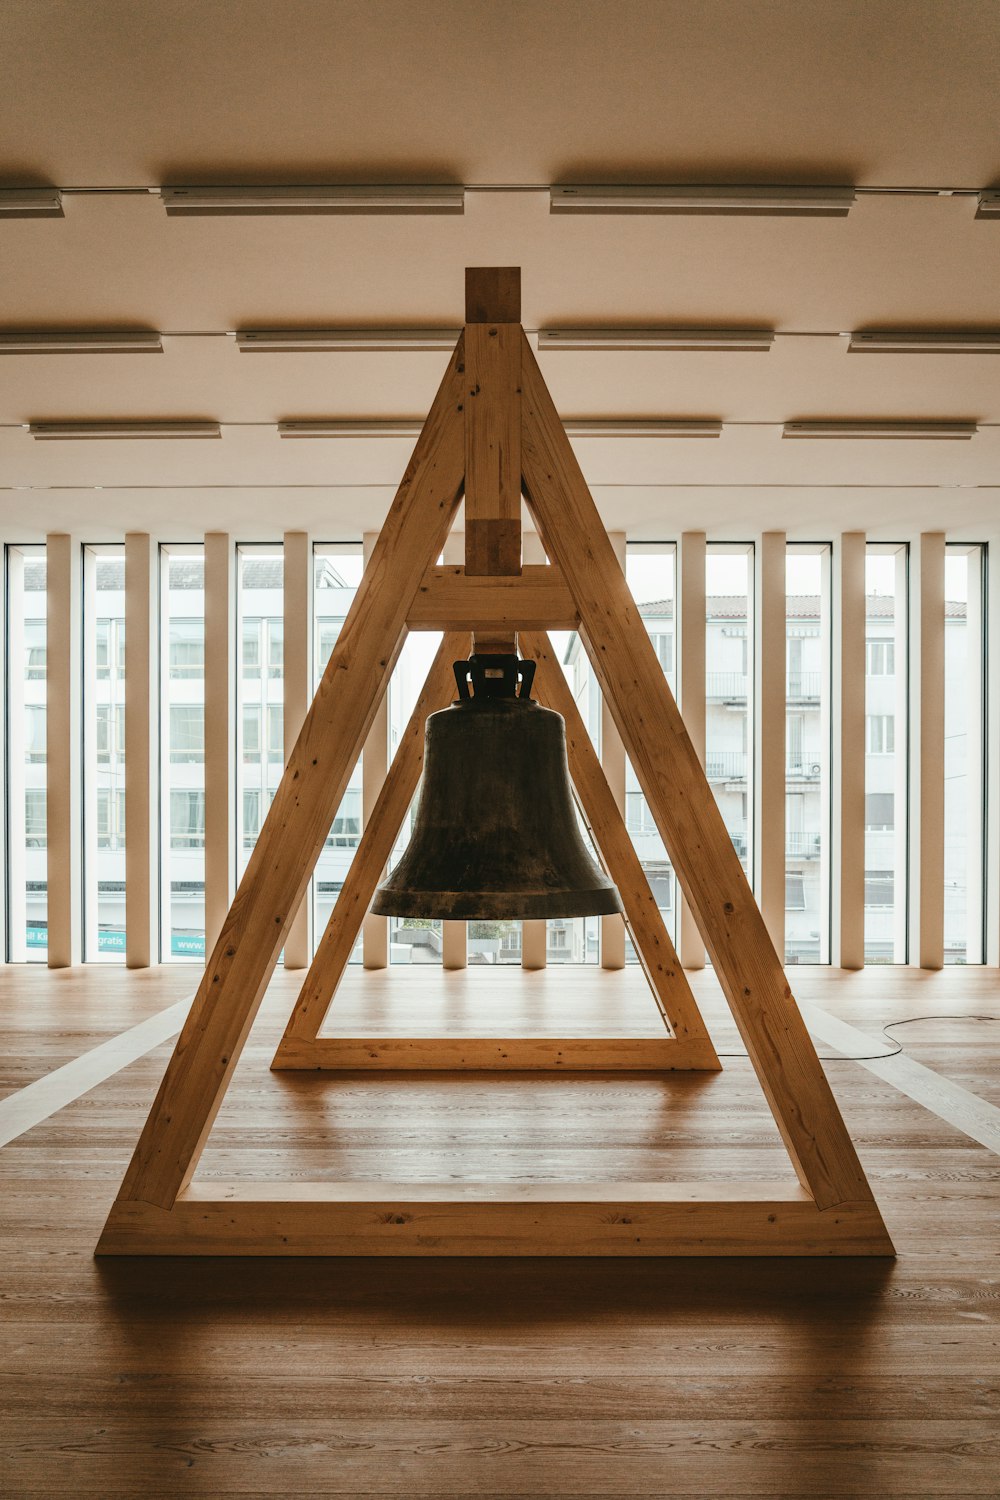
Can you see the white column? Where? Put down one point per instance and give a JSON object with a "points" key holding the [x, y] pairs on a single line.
{"points": [[689, 611], [993, 748], [927, 769], [64, 805], [769, 732], [454, 935], [374, 765], [534, 934], [298, 612], [847, 773], [141, 742], [220, 731], [613, 762]]}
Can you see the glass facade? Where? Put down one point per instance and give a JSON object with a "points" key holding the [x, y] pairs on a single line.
{"points": [[886, 780], [182, 752], [807, 755], [104, 754], [964, 754], [25, 754], [729, 691]]}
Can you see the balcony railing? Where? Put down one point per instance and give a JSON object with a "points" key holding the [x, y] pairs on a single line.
{"points": [[726, 765], [803, 845], [804, 686], [730, 687]]}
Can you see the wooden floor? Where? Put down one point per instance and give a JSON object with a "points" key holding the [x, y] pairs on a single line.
{"points": [[500, 1378]]}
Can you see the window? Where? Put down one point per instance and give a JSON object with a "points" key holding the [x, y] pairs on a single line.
{"points": [[187, 733], [729, 688], [964, 753], [34, 650], [35, 816], [253, 816], [663, 645], [880, 658], [880, 734], [260, 606], [251, 732], [110, 818], [103, 753], [346, 830], [186, 648], [35, 734], [187, 819], [275, 648], [276, 733], [880, 810], [795, 892], [250, 636], [879, 888]]}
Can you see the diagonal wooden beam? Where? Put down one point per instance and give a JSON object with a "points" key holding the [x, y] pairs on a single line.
{"points": [[334, 949], [667, 979], [683, 806], [310, 791]]}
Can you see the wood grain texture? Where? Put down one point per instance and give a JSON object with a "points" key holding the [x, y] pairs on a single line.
{"points": [[493, 294], [492, 450], [450, 599], [683, 806], [667, 979], [493, 1054], [298, 821]]}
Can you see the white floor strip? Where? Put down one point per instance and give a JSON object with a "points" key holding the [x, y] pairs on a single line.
{"points": [[37, 1101], [949, 1101]]}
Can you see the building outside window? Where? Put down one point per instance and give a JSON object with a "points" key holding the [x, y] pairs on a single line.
{"points": [[260, 600], [182, 753], [25, 753], [729, 690], [807, 754], [104, 810], [885, 753], [964, 753]]}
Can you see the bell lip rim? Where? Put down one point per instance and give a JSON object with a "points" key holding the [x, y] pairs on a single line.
{"points": [[600, 901]]}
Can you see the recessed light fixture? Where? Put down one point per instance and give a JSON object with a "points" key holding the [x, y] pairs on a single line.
{"points": [[404, 427], [69, 430], [798, 201], [988, 206], [755, 340], [346, 340], [932, 342], [313, 200], [630, 428], [868, 429], [31, 203], [51, 342]]}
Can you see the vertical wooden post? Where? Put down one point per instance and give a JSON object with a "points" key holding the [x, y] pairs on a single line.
{"points": [[454, 935], [297, 677], [374, 765], [769, 732], [142, 698], [64, 808], [927, 772], [613, 761], [689, 639], [493, 430], [847, 773], [221, 819]]}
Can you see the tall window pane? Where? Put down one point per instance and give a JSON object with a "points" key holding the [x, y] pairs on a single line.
{"points": [[575, 940], [729, 690], [182, 755], [650, 570], [964, 714], [336, 575], [259, 691], [807, 759], [418, 940], [24, 677], [885, 754], [104, 753]]}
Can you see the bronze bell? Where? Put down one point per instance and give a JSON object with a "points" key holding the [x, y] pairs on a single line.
{"points": [[496, 833]]}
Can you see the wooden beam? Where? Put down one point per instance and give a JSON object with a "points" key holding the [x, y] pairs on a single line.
{"points": [[650, 938], [685, 810], [493, 431], [492, 1054], [503, 1218], [450, 599], [299, 819], [334, 949]]}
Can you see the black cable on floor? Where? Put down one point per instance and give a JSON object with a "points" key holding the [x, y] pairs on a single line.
{"points": [[878, 1056]]}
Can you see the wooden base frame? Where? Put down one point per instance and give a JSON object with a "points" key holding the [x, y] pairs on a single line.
{"points": [[494, 433]]}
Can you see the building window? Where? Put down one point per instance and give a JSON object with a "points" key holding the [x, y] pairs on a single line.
{"points": [[187, 819], [35, 816], [186, 659], [182, 757], [880, 734], [964, 752], [880, 658], [795, 892], [879, 888], [880, 810], [187, 733]]}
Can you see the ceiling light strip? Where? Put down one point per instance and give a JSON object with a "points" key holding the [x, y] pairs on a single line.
{"points": [[755, 340], [314, 200], [643, 429], [31, 203], [51, 341], [66, 431], [810, 202], [879, 341], [867, 429], [988, 205], [346, 340]]}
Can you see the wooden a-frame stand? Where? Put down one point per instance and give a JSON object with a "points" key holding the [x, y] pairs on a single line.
{"points": [[493, 434]]}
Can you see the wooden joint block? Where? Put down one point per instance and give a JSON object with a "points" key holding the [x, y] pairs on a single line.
{"points": [[493, 294]]}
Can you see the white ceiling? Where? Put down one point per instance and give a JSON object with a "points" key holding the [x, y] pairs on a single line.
{"points": [[500, 94]]}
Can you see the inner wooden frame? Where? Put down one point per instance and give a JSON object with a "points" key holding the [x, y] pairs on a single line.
{"points": [[493, 432]]}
